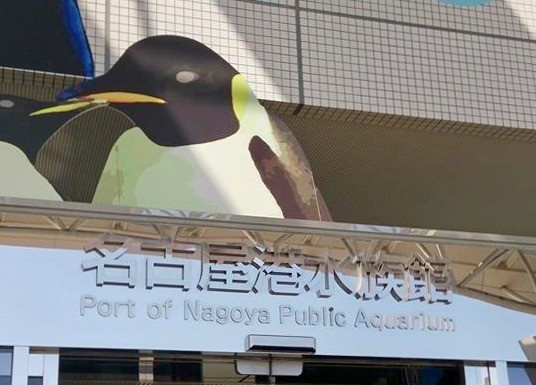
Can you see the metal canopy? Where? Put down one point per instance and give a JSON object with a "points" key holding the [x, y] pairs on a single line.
{"points": [[495, 268]]}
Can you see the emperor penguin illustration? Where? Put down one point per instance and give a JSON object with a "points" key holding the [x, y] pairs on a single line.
{"points": [[198, 140]]}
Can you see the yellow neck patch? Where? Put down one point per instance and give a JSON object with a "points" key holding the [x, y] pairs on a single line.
{"points": [[240, 94]]}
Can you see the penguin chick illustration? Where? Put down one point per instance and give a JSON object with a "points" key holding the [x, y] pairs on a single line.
{"points": [[23, 126], [21, 137], [202, 140]]}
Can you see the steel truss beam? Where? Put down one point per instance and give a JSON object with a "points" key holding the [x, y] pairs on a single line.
{"points": [[516, 296], [496, 254], [193, 219], [76, 222], [529, 269]]}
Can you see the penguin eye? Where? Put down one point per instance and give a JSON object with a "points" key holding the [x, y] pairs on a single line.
{"points": [[6, 103], [185, 77]]}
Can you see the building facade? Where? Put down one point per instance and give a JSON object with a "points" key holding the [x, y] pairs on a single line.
{"points": [[409, 257]]}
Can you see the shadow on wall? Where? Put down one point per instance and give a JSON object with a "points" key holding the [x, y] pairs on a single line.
{"points": [[280, 67], [275, 50], [495, 19], [383, 174]]}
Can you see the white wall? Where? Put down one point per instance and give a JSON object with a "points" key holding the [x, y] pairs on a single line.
{"points": [[420, 58]]}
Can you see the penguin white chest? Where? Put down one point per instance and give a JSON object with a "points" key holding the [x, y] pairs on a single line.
{"points": [[219, 176]]}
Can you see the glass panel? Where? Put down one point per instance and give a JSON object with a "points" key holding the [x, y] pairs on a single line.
{"points": [[5, 380], [376, 375], [433, 375], [109, 369], [5, 361], [347, 374], [35, 380], [522, 374], [176, 371], [224, 371]]}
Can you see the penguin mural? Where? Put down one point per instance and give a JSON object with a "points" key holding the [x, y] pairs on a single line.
{"points": [[199, 139]]}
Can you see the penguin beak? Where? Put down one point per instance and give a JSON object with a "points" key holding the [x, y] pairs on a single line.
{"points": [[99, 99], [123, 97]]}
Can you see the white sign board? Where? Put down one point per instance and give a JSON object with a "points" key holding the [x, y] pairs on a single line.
{"points": [[71, 298]]}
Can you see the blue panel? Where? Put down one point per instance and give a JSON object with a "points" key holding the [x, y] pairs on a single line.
{"points": [[77, 36], [44, 36]]}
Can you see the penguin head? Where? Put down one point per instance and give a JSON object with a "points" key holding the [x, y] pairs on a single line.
{"points": [[177, 90]]}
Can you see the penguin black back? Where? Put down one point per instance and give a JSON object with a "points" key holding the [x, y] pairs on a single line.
{"points": [[26, 132], [74, 157]]}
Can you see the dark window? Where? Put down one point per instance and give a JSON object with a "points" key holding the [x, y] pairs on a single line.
{"points": [[6, 356], [93, 368], [108, 365], [433, 375], [376, 375], [177, 371], [35, 380], [522, 374]]}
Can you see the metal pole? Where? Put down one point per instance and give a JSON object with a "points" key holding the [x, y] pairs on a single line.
{"points": [[502, 373], [256, 239], [347, 246], [441, 251], [497, 253], [424, 250], [496, 299], [530, 271], [516, 296]]}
